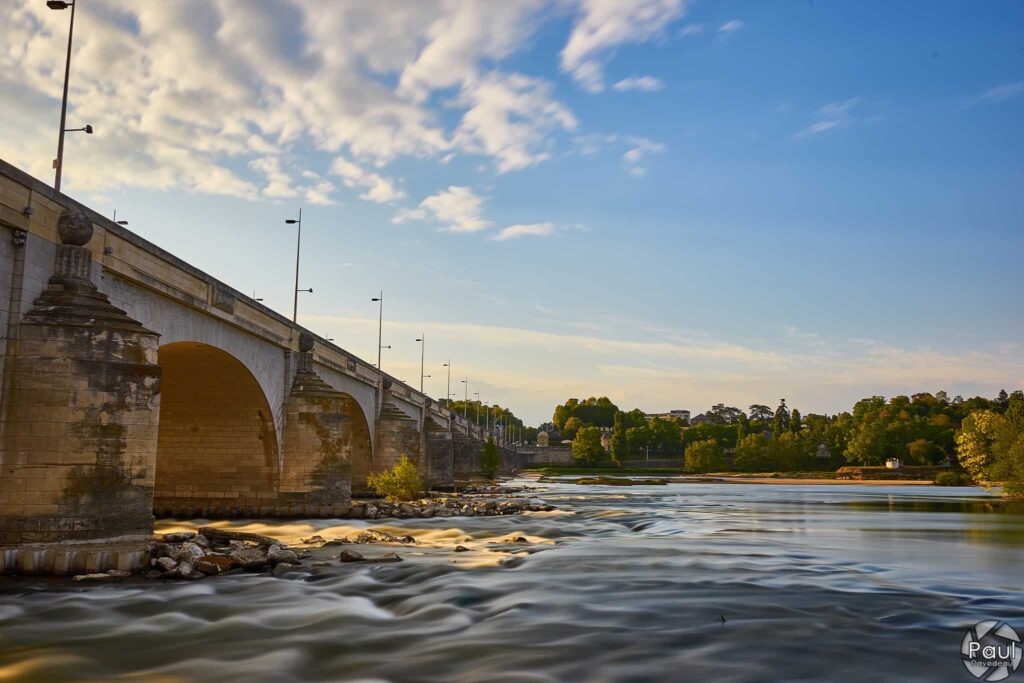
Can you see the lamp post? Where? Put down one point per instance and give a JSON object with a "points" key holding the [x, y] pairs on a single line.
{"points": [[422, 339], [58, 163], [122, 222], [380, 325], [448, 392], [477, 394], [298, 251], [465, 399]]}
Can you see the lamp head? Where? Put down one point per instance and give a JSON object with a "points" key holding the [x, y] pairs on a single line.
{"points": [[87, 129], [58, 4], [290, 221]]}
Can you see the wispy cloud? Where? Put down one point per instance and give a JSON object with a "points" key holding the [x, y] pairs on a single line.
{"points": [[692, 30], [603, 25], [643, 83], [1001, 93], [731, 26], [831, 116], [534, 229]]}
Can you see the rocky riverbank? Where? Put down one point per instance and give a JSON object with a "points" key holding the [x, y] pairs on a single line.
{"points": [[211, 551]]}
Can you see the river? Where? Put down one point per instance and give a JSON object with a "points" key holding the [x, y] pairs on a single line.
{"points": [[814, 583]]}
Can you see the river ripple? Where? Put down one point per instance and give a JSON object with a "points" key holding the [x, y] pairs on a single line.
{"points": [[816, 583]]}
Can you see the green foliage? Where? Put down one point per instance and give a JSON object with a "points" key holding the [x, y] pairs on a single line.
{"points": [[572, 426], [619, 443], [991, 446], [489, 460], [597, 412], [402, 482], [794, 421], [705, 456], [587, 448], [952, 478]]}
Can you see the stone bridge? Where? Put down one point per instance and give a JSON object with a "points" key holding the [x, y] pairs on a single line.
{"points": [[133, 383]]}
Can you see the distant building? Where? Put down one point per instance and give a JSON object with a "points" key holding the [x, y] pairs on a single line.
{"points": [[542, 439], [700, 420], [892, 463], [682, 415], [823, 453], [606, 438]]}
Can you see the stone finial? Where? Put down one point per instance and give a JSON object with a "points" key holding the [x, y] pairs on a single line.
{"points": [[305, 342], [387, 383], [427, 401], [74, 227]]}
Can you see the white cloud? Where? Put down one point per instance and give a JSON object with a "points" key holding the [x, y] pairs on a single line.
{"points": [[378, 188], [603, 25], [731, 26], [200, 97], [508, 117], [1001, 93], [457, 209], [692, 30], [644, 83], [640, 147], [831, 116], [536, 229]]}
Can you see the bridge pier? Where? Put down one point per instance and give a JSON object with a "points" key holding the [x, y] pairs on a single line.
{"points": [[82, 399]]}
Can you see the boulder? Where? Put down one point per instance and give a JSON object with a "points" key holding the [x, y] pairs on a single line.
{"points": [[388, 557], [165, 564], [461, 549], [248, 557], [284, 567], [179, 537], [350, 556], [189, 552], [276, 554]]}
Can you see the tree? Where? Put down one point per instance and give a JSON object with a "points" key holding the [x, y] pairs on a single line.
{"points": [[489, 460], [751, 453], [619, 445], [761, 412], [974, 442], [923, 452], [724, 415], [666, 441], [781, 420], [572, 426], [794, 421], [705, 456], [587, 448], [742, 426], [402, 482]]}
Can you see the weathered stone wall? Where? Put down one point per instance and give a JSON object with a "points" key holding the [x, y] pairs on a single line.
{"points": [[217, 445], [81, 400], [439, 463], [551, 456]]}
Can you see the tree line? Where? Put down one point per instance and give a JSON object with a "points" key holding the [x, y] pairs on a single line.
{"points": [[984, 436]]}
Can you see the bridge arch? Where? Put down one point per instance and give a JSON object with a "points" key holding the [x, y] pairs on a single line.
{"points": [[217, 446]]}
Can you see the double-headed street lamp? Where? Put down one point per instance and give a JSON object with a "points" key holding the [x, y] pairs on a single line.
{"points": [[448, 391], [422, 340], [298, 251], [58, 163], [380, 327]]}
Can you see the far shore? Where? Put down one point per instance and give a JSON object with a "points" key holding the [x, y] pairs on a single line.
{"points": [[837, 482]]}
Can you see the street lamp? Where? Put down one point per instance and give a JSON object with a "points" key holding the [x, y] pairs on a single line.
{"points": [[448, 392], [380, 325], [58, 163], [298, 247], [422, 340], [326, 338], [254, 298], [477, 394], [121, 222], [465, 399]]}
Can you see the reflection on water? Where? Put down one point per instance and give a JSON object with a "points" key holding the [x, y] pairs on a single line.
{"points": [[814, 582]]}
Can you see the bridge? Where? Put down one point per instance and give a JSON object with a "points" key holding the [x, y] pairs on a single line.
{"points": [[134, 383]]}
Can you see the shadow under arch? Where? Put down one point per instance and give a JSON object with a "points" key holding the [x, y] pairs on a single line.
{"points": [[358, 444], [217, 444]]}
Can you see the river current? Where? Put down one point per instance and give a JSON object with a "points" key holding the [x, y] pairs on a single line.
{"points": [[684, 582]]}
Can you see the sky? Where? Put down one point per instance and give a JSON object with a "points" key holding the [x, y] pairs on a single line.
{"points": [[671, 203]]}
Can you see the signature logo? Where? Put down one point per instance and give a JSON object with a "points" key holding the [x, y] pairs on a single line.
{"points": [[991, 650]]}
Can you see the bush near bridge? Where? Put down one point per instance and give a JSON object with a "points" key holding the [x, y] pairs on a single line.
{"points": [[402, 482]]}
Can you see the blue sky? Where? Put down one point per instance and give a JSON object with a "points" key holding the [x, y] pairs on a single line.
{"points": [[674, 204]]}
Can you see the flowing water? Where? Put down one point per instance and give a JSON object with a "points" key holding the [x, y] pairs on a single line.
{"points": [[815, 583]]}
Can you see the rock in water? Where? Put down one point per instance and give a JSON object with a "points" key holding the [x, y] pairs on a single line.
{"points": [[389, 557], [276, 554], [165, 564], [461, 549], [248, 557], [179, 537], [90, 577], [350, 556], [284, 568], [190, 552], [118, 573]]}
